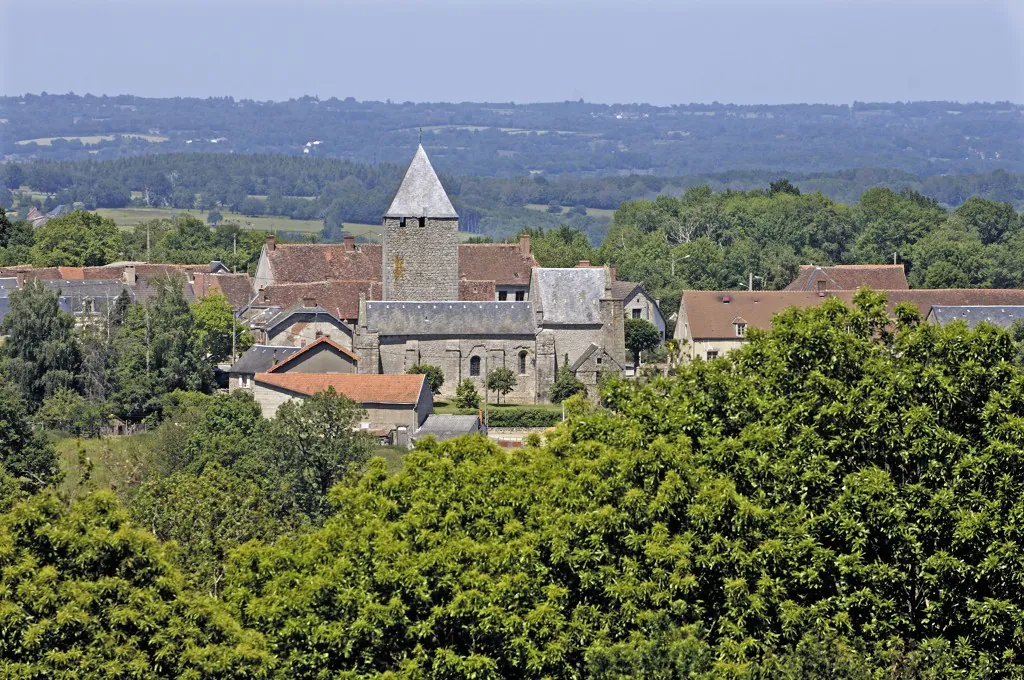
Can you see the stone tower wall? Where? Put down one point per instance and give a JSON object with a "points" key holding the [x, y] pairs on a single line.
{"points": [[421, 263]]}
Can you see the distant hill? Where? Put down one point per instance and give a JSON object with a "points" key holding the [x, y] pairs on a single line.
{"points": [[506, 139]]}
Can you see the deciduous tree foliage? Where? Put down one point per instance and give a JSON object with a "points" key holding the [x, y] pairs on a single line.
{"points": [[78, 239], [435, 376], [838, 498], [83, 593]]}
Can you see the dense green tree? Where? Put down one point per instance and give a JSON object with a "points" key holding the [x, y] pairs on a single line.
{"points": [[950, 257], [89, 595], [77, 239], [25, 454], [566, 384], [501, 381], [68, 411], [41, 353], [219, 332], [562, 247], [466, 396], [435, 376], [641, 336], [189, 240], [312, 446], [890, 222], [991, 220]]}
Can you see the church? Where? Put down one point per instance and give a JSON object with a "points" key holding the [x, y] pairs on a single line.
{"points": [[422, 297]]}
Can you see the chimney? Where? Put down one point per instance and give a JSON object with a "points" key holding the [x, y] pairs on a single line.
{"points": [[129, 275], [271, 243], [615, 273], [309, 302], [350, 243], [524, 245], [583, 264]]}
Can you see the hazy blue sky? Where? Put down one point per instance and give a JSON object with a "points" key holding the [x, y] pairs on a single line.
{"points": [[658, 51]]}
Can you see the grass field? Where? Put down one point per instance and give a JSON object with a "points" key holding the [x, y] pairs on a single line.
{"points": [[92, 139], [592, 212], [129, 217]]}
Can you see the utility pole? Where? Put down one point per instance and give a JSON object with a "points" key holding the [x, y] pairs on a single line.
{"points": [[750, 280], [894, 258], [147, 241]]}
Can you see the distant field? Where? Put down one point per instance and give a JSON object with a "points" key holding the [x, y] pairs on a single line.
{"points": [[129, 217], [592, 212], [92, 139]]}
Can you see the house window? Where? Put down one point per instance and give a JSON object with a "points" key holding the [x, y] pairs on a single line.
{"points": [[423, 221], [741, 330], [599, 361], [502, 295], [712, 354], [246, 381], [474, 367], [401, 222], [520, 295], [522, 363], [636, 313]]}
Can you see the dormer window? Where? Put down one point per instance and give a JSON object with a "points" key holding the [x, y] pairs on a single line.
{"points": [[741, 329]]}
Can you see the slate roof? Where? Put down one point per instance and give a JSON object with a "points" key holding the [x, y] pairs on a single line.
{"points": [[74, 293], [284, 361], [851, 277], [260, 358], [8, 283], [569, 296], [1002, 316], [447, 426], [451, 318], [421, 193], [283, 316], [364, 388]]}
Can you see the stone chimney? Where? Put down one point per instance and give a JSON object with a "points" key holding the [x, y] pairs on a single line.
{"points": [[350, 244], [271, 242], [583, 264], [524, 245], [129, 275], [615, 273], [309, 302]]}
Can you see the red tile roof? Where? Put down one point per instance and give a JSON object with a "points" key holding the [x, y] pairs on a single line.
{"points": [[503, 263], [237, 288], [364, 388], [321, 341], [310, 262], [851, 277], [709, 315], [340, 298]]}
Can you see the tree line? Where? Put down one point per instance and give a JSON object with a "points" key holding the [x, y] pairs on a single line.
{"points": [[840, 497]]}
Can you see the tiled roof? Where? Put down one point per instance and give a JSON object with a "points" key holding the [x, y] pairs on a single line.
{"points": [[308, 262], [421, 193], [451, 318], [324, 341], [237, 288], [851, 277], [710, 316], [364, 388], [477, 291], [569, 296], [622, 290], [503, 263], [259, 358], [340, 298]]}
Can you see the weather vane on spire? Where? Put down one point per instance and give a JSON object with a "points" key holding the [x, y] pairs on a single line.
{"points": [[421, 135]]}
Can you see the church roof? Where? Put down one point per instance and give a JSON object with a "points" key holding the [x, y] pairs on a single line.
{"points": [[569, 296], [421, 193], [450, 318]]}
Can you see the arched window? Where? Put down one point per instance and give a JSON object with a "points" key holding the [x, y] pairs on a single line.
{"points": [[522, 363], [474, 367]]}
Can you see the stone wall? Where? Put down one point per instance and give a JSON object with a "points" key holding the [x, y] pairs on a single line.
{"points": [[421, 263]]}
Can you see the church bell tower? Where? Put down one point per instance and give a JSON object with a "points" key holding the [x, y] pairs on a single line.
{"points": [[421, 238]]}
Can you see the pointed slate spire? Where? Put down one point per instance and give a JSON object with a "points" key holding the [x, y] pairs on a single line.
{"points": [[421, 193]]}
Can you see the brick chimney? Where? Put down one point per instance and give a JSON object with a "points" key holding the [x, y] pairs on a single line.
{"points": [[350, 243], [130, 277], [309, 302], [271, 242], [615, 273], [524, 245], [583, 264]]}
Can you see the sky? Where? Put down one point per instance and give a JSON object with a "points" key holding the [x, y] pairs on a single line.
{"points": [[654, 51]]}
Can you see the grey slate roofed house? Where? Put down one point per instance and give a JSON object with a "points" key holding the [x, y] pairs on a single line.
{"points": [[450, 318], [1002, 316], [421, 193], [256, 359], [569, 296], [447, 426], [89, 298]]}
